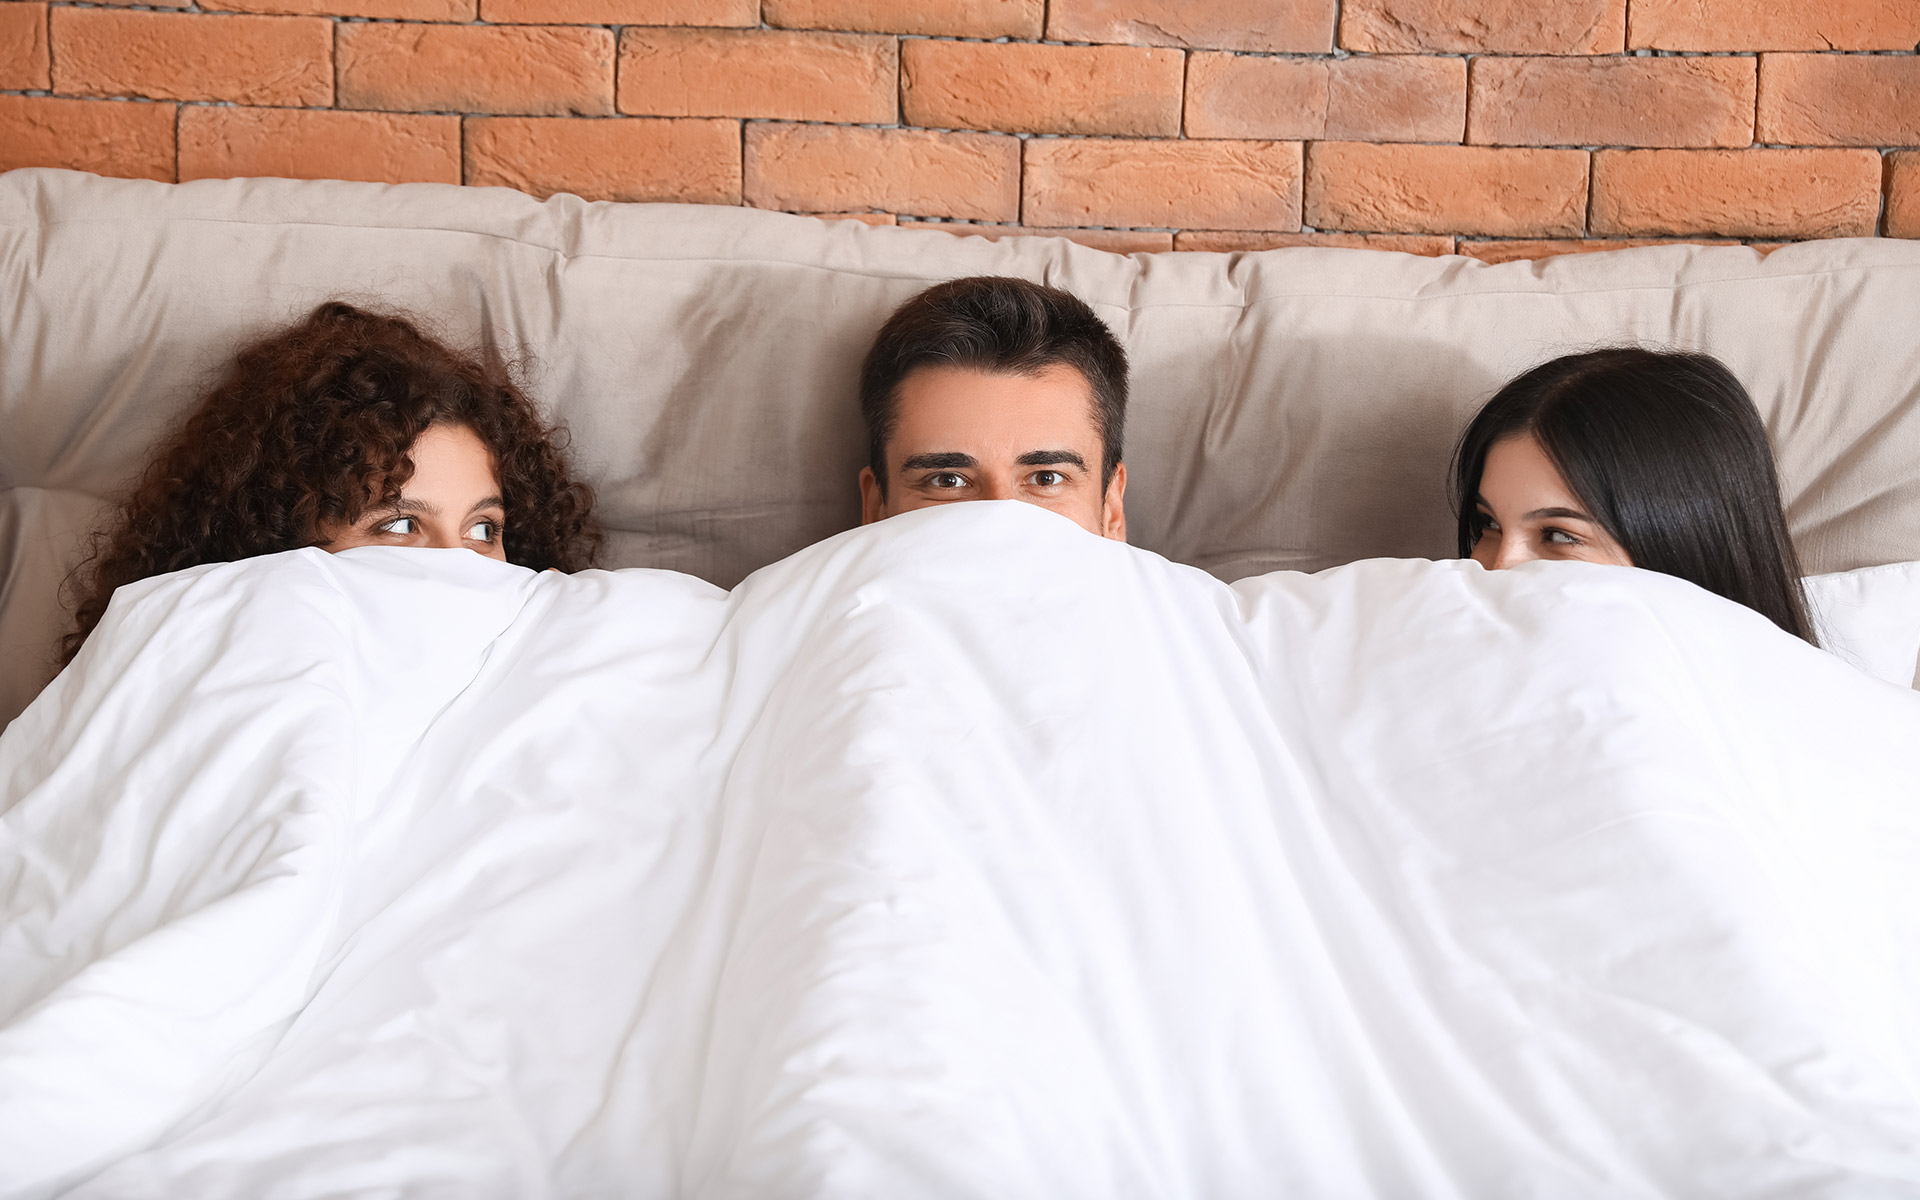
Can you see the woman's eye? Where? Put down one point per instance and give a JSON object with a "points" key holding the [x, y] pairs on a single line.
{"points": [[484, 531], [946, 480], [400, 526], [1559, 537], [1482, 525], [1048, 479]]}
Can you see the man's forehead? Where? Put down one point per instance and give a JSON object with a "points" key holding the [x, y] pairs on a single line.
{"points": [[1002, 414]]}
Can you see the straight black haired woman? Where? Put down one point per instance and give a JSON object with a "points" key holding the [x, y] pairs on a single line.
{"points": [[1633, 457]]}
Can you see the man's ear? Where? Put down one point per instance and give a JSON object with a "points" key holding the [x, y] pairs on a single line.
{"points": [[872, 504], [1113, 509]]}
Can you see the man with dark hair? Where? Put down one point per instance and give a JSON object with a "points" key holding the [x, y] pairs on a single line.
{"points": [[993, 388]]}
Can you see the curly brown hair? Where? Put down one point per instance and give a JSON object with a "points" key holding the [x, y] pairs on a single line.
{"points": [[309, 427]]}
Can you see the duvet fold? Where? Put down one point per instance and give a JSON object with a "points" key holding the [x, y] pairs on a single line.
{"points": [[962, 855]]}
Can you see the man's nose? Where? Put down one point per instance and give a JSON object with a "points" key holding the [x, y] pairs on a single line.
{"points": [[445, 539], [998, 489]]}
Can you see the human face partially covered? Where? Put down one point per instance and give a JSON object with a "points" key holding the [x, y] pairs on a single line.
{"points": [[968, 434], [1526, 512], [452, 501]]}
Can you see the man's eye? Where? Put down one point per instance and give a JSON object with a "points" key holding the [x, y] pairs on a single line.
{"points": [[484, 531], [400, 526], [946, 480], [1048, 479]]}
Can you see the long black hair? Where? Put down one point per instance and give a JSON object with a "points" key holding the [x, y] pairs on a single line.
{"points": [[1668, 454]]}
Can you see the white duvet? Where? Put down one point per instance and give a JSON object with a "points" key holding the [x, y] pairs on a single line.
{"points": [[966, 855]]}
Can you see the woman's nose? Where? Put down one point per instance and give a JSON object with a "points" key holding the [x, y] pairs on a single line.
{"points": [[1513, 552]]}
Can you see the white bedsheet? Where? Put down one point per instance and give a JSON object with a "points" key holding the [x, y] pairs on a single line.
{"points": [[965, 855]]}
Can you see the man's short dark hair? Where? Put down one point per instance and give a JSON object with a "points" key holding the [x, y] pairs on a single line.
{"points": [[997, 324]]}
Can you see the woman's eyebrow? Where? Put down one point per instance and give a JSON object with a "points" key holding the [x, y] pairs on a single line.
{"points": [[1563, 513], [402, 505], [489, 502]]}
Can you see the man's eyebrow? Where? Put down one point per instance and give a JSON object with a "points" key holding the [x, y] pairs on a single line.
{"points": [[489, 502], [1050, 458], [938, 462], [1563, 513]]}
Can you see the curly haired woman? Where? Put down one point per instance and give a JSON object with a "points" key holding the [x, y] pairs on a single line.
{"points": [[350, 428]]}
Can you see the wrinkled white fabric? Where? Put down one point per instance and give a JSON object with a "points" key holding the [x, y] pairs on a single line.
{"points": [[1871, 618], [963, 855]]}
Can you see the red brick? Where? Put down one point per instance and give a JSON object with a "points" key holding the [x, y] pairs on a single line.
{"points": [[543, 69], [298, 143], [865, 218], [814, 168], [621, 12], [144, 3], [1903, 194], [1775, 25], [946, 18], [1389, 99], [845, 77], [1115, 241], [192, 56], [1511, 251], [1612, 102], [1396, 99], [1485, 26], [24, 65], [643, 159], [1212, 184], [1276, 26], [393, 10], [1446, 189], [134, 141], [1839, 99], [1025, 88], [1737, 193], [1229, 240], [1243, 96]]}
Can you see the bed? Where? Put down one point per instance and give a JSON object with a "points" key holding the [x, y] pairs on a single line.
{"points": [[807, 860]]}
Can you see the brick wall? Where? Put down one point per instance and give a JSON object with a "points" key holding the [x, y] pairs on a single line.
{"points": [[1500, 128]]}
